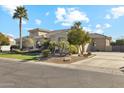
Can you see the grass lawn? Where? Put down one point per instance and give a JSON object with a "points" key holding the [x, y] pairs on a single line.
{"points": [[18, 56]]}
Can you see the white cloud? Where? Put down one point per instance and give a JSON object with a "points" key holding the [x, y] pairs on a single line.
{"points": [[107, 25], [24, 22], [66, 16], [38, 21], [60, 13], [66, 24], [107, 16], [98, 26], [47, 13], [28, 28], [115, 13], [100, 31], [88, 29], [9, 8], [101, 28]]}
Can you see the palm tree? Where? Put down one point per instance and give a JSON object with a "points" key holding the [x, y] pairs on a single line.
{"points": [[20, 13], [77, 25]]}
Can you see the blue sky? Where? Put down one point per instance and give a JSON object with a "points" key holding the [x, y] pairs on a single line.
{"points": [[107, 20]]}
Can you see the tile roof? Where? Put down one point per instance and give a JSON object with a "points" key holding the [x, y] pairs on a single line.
{"points": [[39, 30], [96, 35]]}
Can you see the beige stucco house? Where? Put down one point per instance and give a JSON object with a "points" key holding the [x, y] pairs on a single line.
{"points": [[11, 40], [99, 42]]}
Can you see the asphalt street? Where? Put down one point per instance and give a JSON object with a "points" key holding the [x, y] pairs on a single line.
{"points": [[15, 74]]}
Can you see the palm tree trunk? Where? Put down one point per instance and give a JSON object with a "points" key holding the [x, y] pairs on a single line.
{"points": [[20, 30]]}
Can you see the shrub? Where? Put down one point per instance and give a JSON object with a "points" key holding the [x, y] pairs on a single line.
{"points": [[34, 51], [28, 43], [46, 53], [73, 49], [17, 51]]}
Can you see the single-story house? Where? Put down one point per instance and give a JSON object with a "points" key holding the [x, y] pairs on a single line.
{"points": [[99, 42]]}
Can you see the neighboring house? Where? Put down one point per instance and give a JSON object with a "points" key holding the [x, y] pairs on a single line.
{"points": [[99, 42], [18, 40], [12, 40], [8, 47], [57, 35], [39, 34]]}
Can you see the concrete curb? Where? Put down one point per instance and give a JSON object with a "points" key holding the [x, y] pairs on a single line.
{"points": [[79, 62]]}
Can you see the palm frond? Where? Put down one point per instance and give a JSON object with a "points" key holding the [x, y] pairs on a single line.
{"points": [[20, 12]]}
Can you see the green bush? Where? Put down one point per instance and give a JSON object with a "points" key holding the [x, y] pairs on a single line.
{"points": [[46, 53], [73, 49], [17, 51]]}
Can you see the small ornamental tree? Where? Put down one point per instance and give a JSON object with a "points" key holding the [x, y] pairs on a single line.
{"points": [[52, 46], [75, 38], [78, 37], [63, 46]]}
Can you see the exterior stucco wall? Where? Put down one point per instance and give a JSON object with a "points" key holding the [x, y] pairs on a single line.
{"points": [[99, 44], [32, 34], [35, 34], [57, 36]]}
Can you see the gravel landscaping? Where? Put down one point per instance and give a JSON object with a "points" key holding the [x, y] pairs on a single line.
{"points": [[60, 60]]}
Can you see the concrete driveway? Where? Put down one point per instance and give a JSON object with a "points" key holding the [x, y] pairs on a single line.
{"points": [[113, 60]]}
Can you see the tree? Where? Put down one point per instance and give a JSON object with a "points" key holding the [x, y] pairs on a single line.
{"points": [[4, 40], [20, 13], [118, 42], [28, 42], [52, 46], [75, 37], [86, 39], [63, 46], [77, 25], [45, 43]]}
